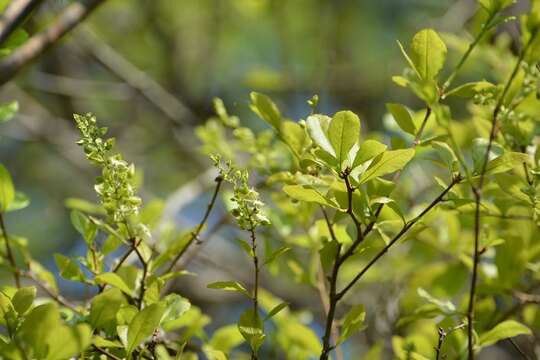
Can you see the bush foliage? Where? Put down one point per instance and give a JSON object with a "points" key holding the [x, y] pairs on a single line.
{"points": [[444, 207]]}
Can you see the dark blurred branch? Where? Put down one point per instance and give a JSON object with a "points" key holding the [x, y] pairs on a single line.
{"points": [[14, 15], [72, 15], [165, 102]]}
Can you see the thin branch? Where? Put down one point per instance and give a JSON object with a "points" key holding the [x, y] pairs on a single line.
{"points": [[106, 353], [144, 275], [332, 300], [477, 190], [195, 234], [165, 102], [472, 45], [256, 278], [518, 349], [52, 294], [9, 252], [422, 127], [442, 336], [72, 15], [404, 230], [16, 12]]}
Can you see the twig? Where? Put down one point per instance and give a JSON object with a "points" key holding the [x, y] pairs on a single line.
{"points": [[422, 127], [256, 278], [477, 190], [14, 15], [168, 104], [71, 16], [9, 252], [517, 348], [195, 234], [144, 275], [106, 353], [404, 230], [442, 335], [56, 297]]}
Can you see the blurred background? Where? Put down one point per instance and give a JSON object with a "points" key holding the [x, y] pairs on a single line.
{"points": [[149, 70]]}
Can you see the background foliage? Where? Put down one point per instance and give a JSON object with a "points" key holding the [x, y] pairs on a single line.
{"points": [[153, 72]]}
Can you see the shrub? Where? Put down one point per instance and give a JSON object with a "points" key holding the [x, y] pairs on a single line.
{"points": [[424, 238]]}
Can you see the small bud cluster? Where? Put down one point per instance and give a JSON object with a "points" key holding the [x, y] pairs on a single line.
{"points": [[114, 186], [248, 208]]}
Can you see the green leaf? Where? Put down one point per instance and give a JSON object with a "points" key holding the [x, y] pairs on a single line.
{"points": [[470, 89], [343, 133], [251, 328], [401, 81], [84, 226], [19, 202], [67, 341], [402, 117], [7, 111], [113, 280], [506, 162], [368, 150], [506, 329], [428, 53], [317, 126], [275, 310], [353, 322], [226, 338], [104, 307], [493, 6], [304, 193], [275, 254], [69, 269], [23, 299], [143, 325], [446, 307], [176, 306], [229, 286], [266, 109], [7, 191], [386, 163]]}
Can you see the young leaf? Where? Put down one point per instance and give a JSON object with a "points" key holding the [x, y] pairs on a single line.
{"points": [[84, 226], [368, 150], [7, 191], [506, 329], [317, 125], [69, 269], [344, 132], [402, 117], [304, 193], [387, 163], [113, 280], [23, 299], [19, 202], [353, 322], [428, 52], [266, 109], [251, 328], [275, 310], [7, 111], [229, 286], [143, 325], [104, 308], [401, 81]]}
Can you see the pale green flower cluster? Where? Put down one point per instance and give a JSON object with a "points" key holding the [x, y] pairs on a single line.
{"points": [[114, 187]]}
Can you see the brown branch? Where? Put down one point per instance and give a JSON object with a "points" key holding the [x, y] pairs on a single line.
{"points": [[477, 190], [72, 15], [144, 275], [195, 234], [152, 91], [106, 353], [9, 252], [52, 294], [16, 12], [255, 298], [404, 230]]}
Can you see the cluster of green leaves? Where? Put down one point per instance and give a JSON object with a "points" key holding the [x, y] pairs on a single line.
{"points": [[330, 206]]}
